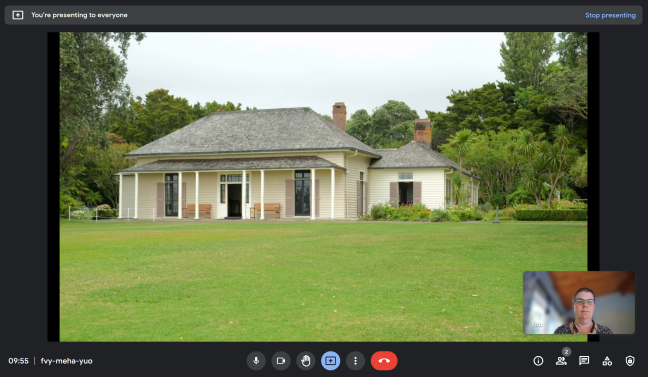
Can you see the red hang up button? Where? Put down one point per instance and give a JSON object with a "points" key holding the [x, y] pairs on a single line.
{"points": [[384, 360]]}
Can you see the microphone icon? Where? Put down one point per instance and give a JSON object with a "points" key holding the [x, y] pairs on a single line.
{"points": [[256, 360]]}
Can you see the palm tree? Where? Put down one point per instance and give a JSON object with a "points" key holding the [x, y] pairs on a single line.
{"points": [[462, 143], [528, 148]]}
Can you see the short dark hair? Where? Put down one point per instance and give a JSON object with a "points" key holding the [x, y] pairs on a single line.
{"points": [[583, 290]]}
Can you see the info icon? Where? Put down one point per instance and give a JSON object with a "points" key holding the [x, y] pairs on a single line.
{"points": [[17, 15]]}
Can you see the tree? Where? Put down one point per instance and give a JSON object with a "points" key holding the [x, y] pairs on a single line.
{"points": [[572, 49], [557, 158], [390, 124], [463, 143], [487, 108], [327, 117], [568, 99], [161, 113], [102, 163], [495, 161], [525, 56], [532, 177], [91, 81], [578, 172]]}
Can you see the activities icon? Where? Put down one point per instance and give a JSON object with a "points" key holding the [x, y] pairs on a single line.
{"points": [[607, 362]]}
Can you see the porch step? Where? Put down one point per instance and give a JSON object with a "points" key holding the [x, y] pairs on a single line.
{"points": [[233, 218]]}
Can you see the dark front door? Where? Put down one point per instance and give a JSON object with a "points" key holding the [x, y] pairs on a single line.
{"points": [[234, 200], [171, 195], [405, 192], [302, 193]]}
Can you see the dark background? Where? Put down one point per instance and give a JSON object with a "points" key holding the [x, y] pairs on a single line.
{"points": [[29, 304]]}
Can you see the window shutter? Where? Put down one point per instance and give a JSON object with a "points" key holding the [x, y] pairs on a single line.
{"points": [[417, 192], [393, 192], [359, 199], [184, 196], [290, 197], [317, 197], [366, 196], [160, 199]]}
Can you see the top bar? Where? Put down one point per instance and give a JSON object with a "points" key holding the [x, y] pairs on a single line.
{"points": [[323, 15]]}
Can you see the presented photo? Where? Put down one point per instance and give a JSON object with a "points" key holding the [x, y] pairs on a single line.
{"points": [[325, 187]]}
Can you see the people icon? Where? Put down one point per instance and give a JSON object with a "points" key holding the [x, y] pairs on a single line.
{"points": [[561, 361]]}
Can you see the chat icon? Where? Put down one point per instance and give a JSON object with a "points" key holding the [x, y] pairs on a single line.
{"points": [[583, 360]]}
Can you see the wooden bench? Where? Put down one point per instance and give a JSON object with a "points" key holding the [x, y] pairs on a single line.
{"points": [[202, 208], [274, 207]]}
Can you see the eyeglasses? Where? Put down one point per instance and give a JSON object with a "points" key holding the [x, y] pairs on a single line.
{"points": [[580, 301]]}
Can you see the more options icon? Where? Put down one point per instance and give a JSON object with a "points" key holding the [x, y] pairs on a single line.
{"points": [[17, 15], [384, 360]]}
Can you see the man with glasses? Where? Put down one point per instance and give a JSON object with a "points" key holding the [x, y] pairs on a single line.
{"points": [[584, 303]]}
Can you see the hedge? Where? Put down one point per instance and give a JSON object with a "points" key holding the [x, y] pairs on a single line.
{"points": [[551, 215]]}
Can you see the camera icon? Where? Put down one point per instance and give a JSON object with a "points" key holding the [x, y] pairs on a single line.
{"points": [[17, 15], [330, 360]]}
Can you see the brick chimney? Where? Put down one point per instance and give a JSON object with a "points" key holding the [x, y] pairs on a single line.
{"points": [[339, 115], [221, 110], [423, 132]]}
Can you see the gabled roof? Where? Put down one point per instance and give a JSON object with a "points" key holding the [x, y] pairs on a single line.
{"points": [[413, 155], [223, 164], [296, 129]]}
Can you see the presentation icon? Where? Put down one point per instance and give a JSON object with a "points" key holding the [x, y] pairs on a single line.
{"points": [[330, 360], [17, 15]]}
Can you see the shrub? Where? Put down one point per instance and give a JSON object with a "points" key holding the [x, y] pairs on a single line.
{"points": [[520, 196], [551, 215], [486, 207], [454, 218], [377, 211], [82, 214], [67, 201], [477, 214], [107, 213], [568, 194], [441, 215]]}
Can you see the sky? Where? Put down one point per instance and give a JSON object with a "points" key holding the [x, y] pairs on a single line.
{"points": [[283, 70]]}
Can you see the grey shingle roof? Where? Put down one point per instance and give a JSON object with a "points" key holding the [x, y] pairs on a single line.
{"points": [[254, 131], [414, 156], [295, 162]]}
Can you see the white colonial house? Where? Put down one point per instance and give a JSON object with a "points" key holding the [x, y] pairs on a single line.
{"points": [[310, 167]]}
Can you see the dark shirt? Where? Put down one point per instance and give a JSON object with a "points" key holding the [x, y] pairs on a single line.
{"points": [[564, 329]]}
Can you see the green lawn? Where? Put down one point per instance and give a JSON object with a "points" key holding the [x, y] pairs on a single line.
{"points": [[301, 281]]}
